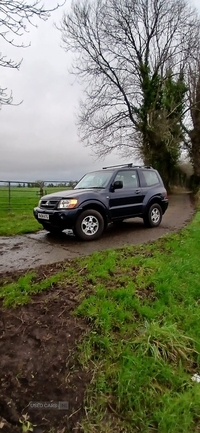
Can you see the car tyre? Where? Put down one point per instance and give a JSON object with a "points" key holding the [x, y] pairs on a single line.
{"points": [[153, 217], [89, 225]]}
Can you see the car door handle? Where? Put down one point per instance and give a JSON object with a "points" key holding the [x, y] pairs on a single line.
{"points": [[137, 191]]}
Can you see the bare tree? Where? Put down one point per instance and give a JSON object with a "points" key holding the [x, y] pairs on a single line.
{"points": [[15, 17], [192, 124], [40, 184], [123, 52]]}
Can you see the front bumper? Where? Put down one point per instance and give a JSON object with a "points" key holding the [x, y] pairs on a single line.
{"points": [[61, 218]]}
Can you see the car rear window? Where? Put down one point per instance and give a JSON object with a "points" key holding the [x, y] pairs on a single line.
{"points": [[151, 177]]}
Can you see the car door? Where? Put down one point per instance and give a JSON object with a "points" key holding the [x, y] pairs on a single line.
{"points": [[127, 201]]}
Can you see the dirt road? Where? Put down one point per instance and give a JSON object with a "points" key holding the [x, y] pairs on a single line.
{"points": [[32, 250]]}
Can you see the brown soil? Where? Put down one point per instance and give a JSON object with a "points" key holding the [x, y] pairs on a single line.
{"points": [[37, 345]]}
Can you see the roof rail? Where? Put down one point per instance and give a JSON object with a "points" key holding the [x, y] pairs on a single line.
{"points": [[141, 166], [128, 165], [119, 165]]}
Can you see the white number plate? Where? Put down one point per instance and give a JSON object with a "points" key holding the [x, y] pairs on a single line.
{"points": [[43, 216]]}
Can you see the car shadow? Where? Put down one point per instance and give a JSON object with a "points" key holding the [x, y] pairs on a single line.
{"points": [[112, 231]]}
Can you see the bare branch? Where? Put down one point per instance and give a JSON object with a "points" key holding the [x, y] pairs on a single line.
{"points": [[15, 18], [121, 47]]}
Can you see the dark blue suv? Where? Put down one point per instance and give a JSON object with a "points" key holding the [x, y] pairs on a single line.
{"points": [[101, 197]]}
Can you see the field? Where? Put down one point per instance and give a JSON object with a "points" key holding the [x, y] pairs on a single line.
{"points": [[115, 334], [16, 208]]}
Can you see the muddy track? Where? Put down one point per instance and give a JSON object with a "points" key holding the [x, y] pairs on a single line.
{"points": [[32, 250]]}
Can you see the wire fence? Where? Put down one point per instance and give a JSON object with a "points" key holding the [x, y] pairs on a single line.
{"points": [[23, 196]]}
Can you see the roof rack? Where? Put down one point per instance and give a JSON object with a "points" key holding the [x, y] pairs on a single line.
{"points": [[119, 165], [128, 165], [142, 166]]}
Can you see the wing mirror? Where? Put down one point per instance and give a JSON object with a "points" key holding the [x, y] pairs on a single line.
{"points": [[118, 184]]}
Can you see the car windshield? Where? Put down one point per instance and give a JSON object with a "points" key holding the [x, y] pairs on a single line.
{"points": [[97, 179]]}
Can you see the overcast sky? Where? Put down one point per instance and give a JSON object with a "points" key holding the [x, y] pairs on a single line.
{"points": [[38, 139]]}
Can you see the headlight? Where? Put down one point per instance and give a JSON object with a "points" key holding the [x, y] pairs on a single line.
{"points": [[67, 204], [39, 204]]}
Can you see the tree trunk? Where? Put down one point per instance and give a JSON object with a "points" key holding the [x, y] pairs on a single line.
{"points": [[195, 151]]}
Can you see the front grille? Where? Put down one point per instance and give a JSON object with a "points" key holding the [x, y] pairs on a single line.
{"points": [[49, 204]]}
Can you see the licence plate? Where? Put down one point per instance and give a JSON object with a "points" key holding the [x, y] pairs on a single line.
{"points": [[43, 216]]}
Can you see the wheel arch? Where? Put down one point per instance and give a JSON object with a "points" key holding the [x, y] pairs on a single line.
{"points": [[156, 199], [99, 208]]}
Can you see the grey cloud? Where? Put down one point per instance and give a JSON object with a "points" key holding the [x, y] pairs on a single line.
{"points": [[38, 139]]}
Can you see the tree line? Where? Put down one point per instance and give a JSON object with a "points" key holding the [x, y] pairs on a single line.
{"points": [[42, 184]]}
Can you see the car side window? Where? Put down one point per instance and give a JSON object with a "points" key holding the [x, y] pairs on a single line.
{"points": [[128, 177], [151, 177]]}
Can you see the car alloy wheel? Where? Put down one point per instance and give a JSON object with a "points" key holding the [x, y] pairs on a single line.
{"points": [[89, 225], [153, 217]]}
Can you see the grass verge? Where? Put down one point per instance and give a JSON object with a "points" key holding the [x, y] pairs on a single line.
{"points": [[16, 209], [15, 223], [143, 307]]}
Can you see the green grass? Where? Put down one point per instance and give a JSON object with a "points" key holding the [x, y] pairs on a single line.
{"points": [[142, 305], [16, 212], [20, 291], [145, 338], [15, 223]]}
